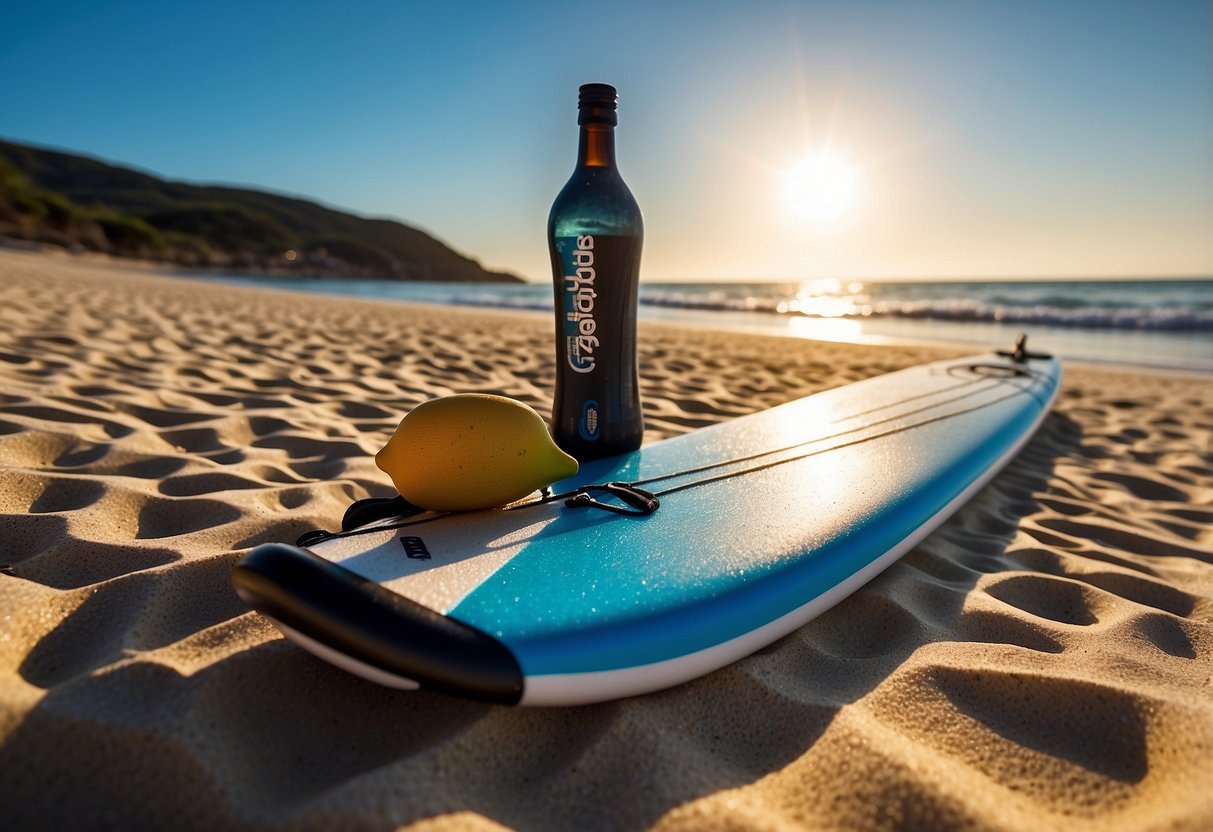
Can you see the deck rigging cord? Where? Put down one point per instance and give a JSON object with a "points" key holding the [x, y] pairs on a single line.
{"points": [[639, 502]]}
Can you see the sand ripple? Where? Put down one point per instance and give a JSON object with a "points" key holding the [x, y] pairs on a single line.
{"points": [[1042, 661]]}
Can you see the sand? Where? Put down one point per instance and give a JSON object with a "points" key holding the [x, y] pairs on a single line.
{"points": [[1043, 661]]}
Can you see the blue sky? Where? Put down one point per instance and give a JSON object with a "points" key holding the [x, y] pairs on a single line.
{"points": [[988, 139]]}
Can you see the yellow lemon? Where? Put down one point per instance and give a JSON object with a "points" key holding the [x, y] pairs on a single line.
{"points": [[472, 451]]}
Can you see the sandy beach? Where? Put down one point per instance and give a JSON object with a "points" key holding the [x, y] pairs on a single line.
{"points": [[1043, 661]]}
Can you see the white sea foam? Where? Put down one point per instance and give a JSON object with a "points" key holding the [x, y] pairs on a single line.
{"points": [[1165, 323]]}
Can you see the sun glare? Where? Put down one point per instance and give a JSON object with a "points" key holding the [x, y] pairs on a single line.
{"points": [[822, 188]]}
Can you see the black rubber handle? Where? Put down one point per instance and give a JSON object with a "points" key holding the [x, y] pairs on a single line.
{"points": [[363, 620]]}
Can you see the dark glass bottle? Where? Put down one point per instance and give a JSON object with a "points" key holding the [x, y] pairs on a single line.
{"points": [[594, 234]]}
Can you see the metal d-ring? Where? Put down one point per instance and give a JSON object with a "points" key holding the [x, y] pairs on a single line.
{"points": [[641, 502]]}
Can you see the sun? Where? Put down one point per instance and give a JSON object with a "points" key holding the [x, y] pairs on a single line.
{"points": [[822, 188]]}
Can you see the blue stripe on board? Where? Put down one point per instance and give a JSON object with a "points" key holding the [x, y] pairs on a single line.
{"points": [[718, 561]]}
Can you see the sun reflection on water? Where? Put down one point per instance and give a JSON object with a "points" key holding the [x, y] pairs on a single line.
{"points": [[844, 330], [827, 298]]}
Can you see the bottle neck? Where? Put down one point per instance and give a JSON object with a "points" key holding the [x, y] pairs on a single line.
{"points": [[596, 149]]}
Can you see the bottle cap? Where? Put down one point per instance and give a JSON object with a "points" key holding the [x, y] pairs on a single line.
{"points": [[596, 104]]}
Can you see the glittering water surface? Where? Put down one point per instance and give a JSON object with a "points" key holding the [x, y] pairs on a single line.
{"points": [[1161, 323]]}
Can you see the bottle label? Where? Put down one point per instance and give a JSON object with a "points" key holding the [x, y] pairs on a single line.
{"points": [[596, 282], [580, 325]]}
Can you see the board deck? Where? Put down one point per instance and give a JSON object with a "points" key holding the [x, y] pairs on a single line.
{"points": [[765, 522]]}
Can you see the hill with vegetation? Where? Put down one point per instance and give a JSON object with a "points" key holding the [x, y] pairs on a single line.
{"points": [[47, 196]]}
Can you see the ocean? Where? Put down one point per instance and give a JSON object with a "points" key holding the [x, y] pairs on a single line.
{"points": [[1152, 323]]}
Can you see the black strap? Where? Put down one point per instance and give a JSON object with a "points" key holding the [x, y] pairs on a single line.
{"points": [[376, 508], [362, 513]]}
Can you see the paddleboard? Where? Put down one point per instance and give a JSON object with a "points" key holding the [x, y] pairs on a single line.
{"points": [[715, 544]]}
